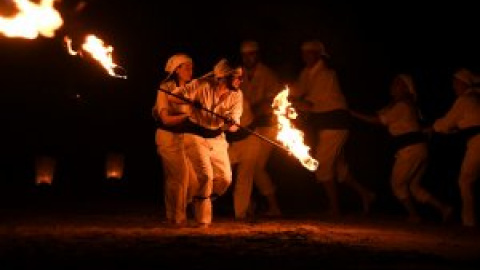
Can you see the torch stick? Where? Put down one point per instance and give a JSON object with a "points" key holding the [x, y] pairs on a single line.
{"points": [[224, 118]]}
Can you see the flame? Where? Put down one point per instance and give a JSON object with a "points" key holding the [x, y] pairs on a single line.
{"points": [[114, 165], [68, 42], [96, 48], [291, 138], [32, 20]]}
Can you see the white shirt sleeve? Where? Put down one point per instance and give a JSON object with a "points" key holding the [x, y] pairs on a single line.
{"points": [[188, 91]]}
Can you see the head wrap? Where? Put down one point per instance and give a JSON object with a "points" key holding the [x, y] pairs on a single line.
{"points": [[175, 61], [249, 46], [222, 69], [314, 46]]}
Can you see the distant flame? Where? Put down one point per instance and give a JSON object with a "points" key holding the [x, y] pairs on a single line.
{"points": [[291, 138], [68, 42], [114, 165], [32, 20], [44, 170], [96, 48]]}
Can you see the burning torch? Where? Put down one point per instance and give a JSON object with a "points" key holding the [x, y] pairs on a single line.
{"points": [[98, 51], [293, 145], [224, 118]]}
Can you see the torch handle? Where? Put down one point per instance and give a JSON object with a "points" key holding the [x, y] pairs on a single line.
{"points": [[227, 119]]}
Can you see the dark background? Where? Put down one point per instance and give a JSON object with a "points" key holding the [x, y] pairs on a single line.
{"points": [[68, 107]]}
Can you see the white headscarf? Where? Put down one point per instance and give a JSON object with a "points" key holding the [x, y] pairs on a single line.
{"points": [[408, 80], [316, 46], [249, 46], [222, 69], [175, 61]]}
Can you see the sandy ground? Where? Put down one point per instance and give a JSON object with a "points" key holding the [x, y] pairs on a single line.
{"points": [[138, 239]]}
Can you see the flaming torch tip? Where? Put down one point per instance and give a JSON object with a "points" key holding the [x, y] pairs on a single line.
{"points": [[101, 53], [291, 137]]}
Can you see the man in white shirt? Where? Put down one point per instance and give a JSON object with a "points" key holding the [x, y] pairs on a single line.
{"points": [[464, 117], [208, 153], [259, 87], [319, 96]]}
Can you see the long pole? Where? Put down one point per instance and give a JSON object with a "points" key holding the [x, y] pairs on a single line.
{"points": [[198, 106]]}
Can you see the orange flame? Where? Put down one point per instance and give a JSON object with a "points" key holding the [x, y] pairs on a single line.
{"points": [[68, 42], [291, 138], [96, 48], [32, 20]]}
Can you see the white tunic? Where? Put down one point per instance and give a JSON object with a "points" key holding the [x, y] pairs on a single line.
{"points": [[319, 85], [400, 118], [228, 105]]}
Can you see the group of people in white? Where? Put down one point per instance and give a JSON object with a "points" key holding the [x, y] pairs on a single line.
{"points": [[195, 116]]}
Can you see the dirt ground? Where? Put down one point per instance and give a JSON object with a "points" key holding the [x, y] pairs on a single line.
{"points": [[138, 239]]}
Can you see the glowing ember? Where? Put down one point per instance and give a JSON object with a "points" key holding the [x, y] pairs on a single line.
{"points": [[96, 48], [32, 20], [291, 138]]}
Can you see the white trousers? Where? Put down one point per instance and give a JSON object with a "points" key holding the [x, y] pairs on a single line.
{"points": [[176, 174], [330, 156], [469, 173], [251, 154], [209, 159], [407, 172]]}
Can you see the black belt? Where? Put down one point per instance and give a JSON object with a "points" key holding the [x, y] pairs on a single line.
{"points": [[336, 119], [467, 133], [240, 134], [189, 127], [261, 121], [410, 138]]}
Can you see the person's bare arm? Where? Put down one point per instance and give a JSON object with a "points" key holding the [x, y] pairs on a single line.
{"points": [[171, 120], [372, 119]]}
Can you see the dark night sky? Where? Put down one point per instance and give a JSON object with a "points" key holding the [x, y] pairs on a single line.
{"points": [[368, 43]]}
